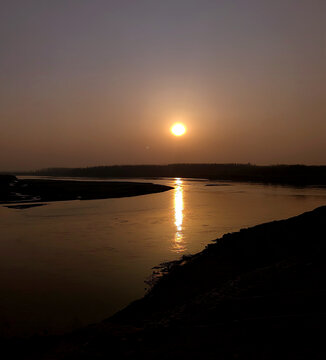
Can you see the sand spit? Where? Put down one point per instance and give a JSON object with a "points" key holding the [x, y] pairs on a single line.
{"points": [[41, 190]]}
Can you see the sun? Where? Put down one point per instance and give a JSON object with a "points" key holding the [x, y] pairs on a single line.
{"points": [[178, 129]]}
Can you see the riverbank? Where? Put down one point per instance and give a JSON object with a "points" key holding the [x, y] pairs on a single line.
{"points": [[16, 191], [256, 294], [295, 175]]}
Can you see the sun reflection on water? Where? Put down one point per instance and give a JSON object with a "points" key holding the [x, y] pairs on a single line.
{"points": [[178, 245]]}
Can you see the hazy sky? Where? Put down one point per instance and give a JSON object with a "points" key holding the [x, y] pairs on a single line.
{"points": [[99, 82]]}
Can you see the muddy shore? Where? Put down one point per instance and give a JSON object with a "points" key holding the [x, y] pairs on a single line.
{"points": [[14, 191]]}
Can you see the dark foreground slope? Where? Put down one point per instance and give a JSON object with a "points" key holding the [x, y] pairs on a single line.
{"points": [[13, 190], [256, 294]]}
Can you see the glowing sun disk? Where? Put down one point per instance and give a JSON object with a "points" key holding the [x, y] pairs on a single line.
{"points": [[178, 129]]}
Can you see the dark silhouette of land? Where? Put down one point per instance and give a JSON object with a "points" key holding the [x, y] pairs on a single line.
{"points": [[276, 174], [23, 206], [259, 293], [13, 190]]}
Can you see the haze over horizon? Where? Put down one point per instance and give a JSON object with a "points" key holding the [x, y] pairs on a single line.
{"points": [[86, 83]]}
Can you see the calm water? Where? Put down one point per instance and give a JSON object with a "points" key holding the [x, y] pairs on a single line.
{"points": [[72, 263]]}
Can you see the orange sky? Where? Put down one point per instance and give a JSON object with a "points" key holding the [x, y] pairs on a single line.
{"points": [[98, 82]]}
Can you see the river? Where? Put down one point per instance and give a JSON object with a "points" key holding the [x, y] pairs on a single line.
{"points": [[72, 263]]}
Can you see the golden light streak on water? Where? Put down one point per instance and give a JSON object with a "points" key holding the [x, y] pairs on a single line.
{"points": [[178, 245]]}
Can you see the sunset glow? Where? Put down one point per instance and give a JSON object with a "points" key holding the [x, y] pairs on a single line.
{"points": [[178, 129]]}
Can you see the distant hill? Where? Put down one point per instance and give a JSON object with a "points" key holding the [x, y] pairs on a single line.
{"points": [[274, 174]]}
